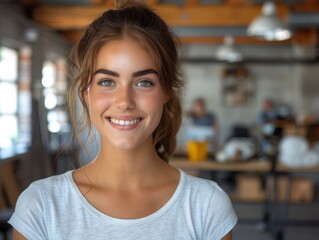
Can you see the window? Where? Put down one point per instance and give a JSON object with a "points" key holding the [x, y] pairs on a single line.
{"points": [[15, 100], [54, 92]]}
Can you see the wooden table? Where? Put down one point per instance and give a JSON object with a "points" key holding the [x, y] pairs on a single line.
{"points": [[280, 168], [248, 166]]}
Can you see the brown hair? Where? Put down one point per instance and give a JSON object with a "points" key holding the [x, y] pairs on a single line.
{"points": [[132, 20]]}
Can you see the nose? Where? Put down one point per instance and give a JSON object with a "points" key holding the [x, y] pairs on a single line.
{"points": [[125, 98]]}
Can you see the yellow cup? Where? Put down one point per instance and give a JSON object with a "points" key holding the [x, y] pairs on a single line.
{"points": [[197, 151]]}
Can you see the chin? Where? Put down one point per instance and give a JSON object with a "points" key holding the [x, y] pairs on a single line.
{"points": [[131, 143], [125, 145]]}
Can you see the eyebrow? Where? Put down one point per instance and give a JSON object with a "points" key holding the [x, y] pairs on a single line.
{"points": [[135, 74], [106, 72], [144, 72]]}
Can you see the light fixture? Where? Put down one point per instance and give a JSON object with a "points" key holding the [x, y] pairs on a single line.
{"points": [[227, 52], [31, 34], [268, 26]]}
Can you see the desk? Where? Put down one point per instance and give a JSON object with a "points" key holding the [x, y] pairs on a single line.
{"points": [[249, 188], [285, 169], [248, 166]]}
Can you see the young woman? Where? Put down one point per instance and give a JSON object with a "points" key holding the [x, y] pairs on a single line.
{"points": [[128, 82]]}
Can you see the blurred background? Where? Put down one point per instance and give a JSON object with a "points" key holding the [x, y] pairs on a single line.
{"points": [[250, 105]]}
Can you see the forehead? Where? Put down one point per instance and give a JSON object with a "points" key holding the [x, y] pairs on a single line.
{"points": [[126, 50]]}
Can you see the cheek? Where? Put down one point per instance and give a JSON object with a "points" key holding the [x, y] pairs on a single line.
{"points": [[154, 108], [154, 103], [97, 99], [98, 103]]}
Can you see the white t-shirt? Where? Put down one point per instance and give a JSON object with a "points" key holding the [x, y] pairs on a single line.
{"points": [[54, 208]]}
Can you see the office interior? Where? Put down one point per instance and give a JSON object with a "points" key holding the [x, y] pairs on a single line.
{"points": [[273, 180]]}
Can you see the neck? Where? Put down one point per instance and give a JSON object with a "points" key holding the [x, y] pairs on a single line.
{"points": [[127, 169]]}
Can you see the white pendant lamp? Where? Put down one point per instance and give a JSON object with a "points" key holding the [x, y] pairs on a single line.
{"points": [[227, 52], [268, 26]]}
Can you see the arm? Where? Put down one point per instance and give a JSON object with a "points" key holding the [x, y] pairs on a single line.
{"points": [[28, 220], [229, 236], [222, 218], [17, 236]]}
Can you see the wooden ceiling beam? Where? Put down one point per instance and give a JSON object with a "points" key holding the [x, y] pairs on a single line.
{"points": [[311, 6], [235, 3], [301, 36], [70, 17], [67, 17], [192, 3], [238, 40], [28, 2], [152, 2], [97, 1]]}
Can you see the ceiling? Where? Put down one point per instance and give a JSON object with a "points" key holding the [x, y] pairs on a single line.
{"points": [[194, 21]]}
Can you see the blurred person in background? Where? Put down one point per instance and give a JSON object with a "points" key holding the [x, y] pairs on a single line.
{"points": [[266, 121], [200, 116], [203, 122]]}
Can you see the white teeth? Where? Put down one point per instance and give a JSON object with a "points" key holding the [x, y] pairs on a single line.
{"points": [[125, 123]]}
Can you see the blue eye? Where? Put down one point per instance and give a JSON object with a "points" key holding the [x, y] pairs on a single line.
{"points": [[145, 84], [106, 83]]}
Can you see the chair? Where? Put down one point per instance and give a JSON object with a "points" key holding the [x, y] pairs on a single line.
{"points": [[5, 227], [9, 192], [5, 214]]}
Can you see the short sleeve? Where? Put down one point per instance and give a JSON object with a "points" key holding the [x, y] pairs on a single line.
{"points": [[28, 217], [221, 217]]}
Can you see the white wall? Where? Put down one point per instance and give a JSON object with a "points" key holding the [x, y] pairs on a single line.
{"points": [[293, 84], [310, 89]]}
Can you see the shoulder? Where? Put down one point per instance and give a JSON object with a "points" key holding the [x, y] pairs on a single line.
{"points": [[205, 193], [202, 186], [53, 183], [211, 206], [40, 191], [31, 214], [211, 117]]}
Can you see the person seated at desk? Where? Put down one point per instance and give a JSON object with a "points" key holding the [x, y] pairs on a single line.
{"points": [[268, 113], [266, 121], [203, 124], [199, 114], [240, 145], [203, 127]]}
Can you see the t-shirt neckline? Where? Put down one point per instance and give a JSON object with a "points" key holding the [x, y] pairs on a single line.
{"points": [[89, 207]]}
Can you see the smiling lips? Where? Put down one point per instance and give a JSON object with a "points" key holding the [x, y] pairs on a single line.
{"points": [[122, 123]]}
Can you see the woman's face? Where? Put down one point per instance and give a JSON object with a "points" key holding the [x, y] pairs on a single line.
{"points": [[126, 98]]}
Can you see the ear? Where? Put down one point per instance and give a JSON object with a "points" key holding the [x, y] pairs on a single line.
{"points": [[166, 98], [87, 96]]}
